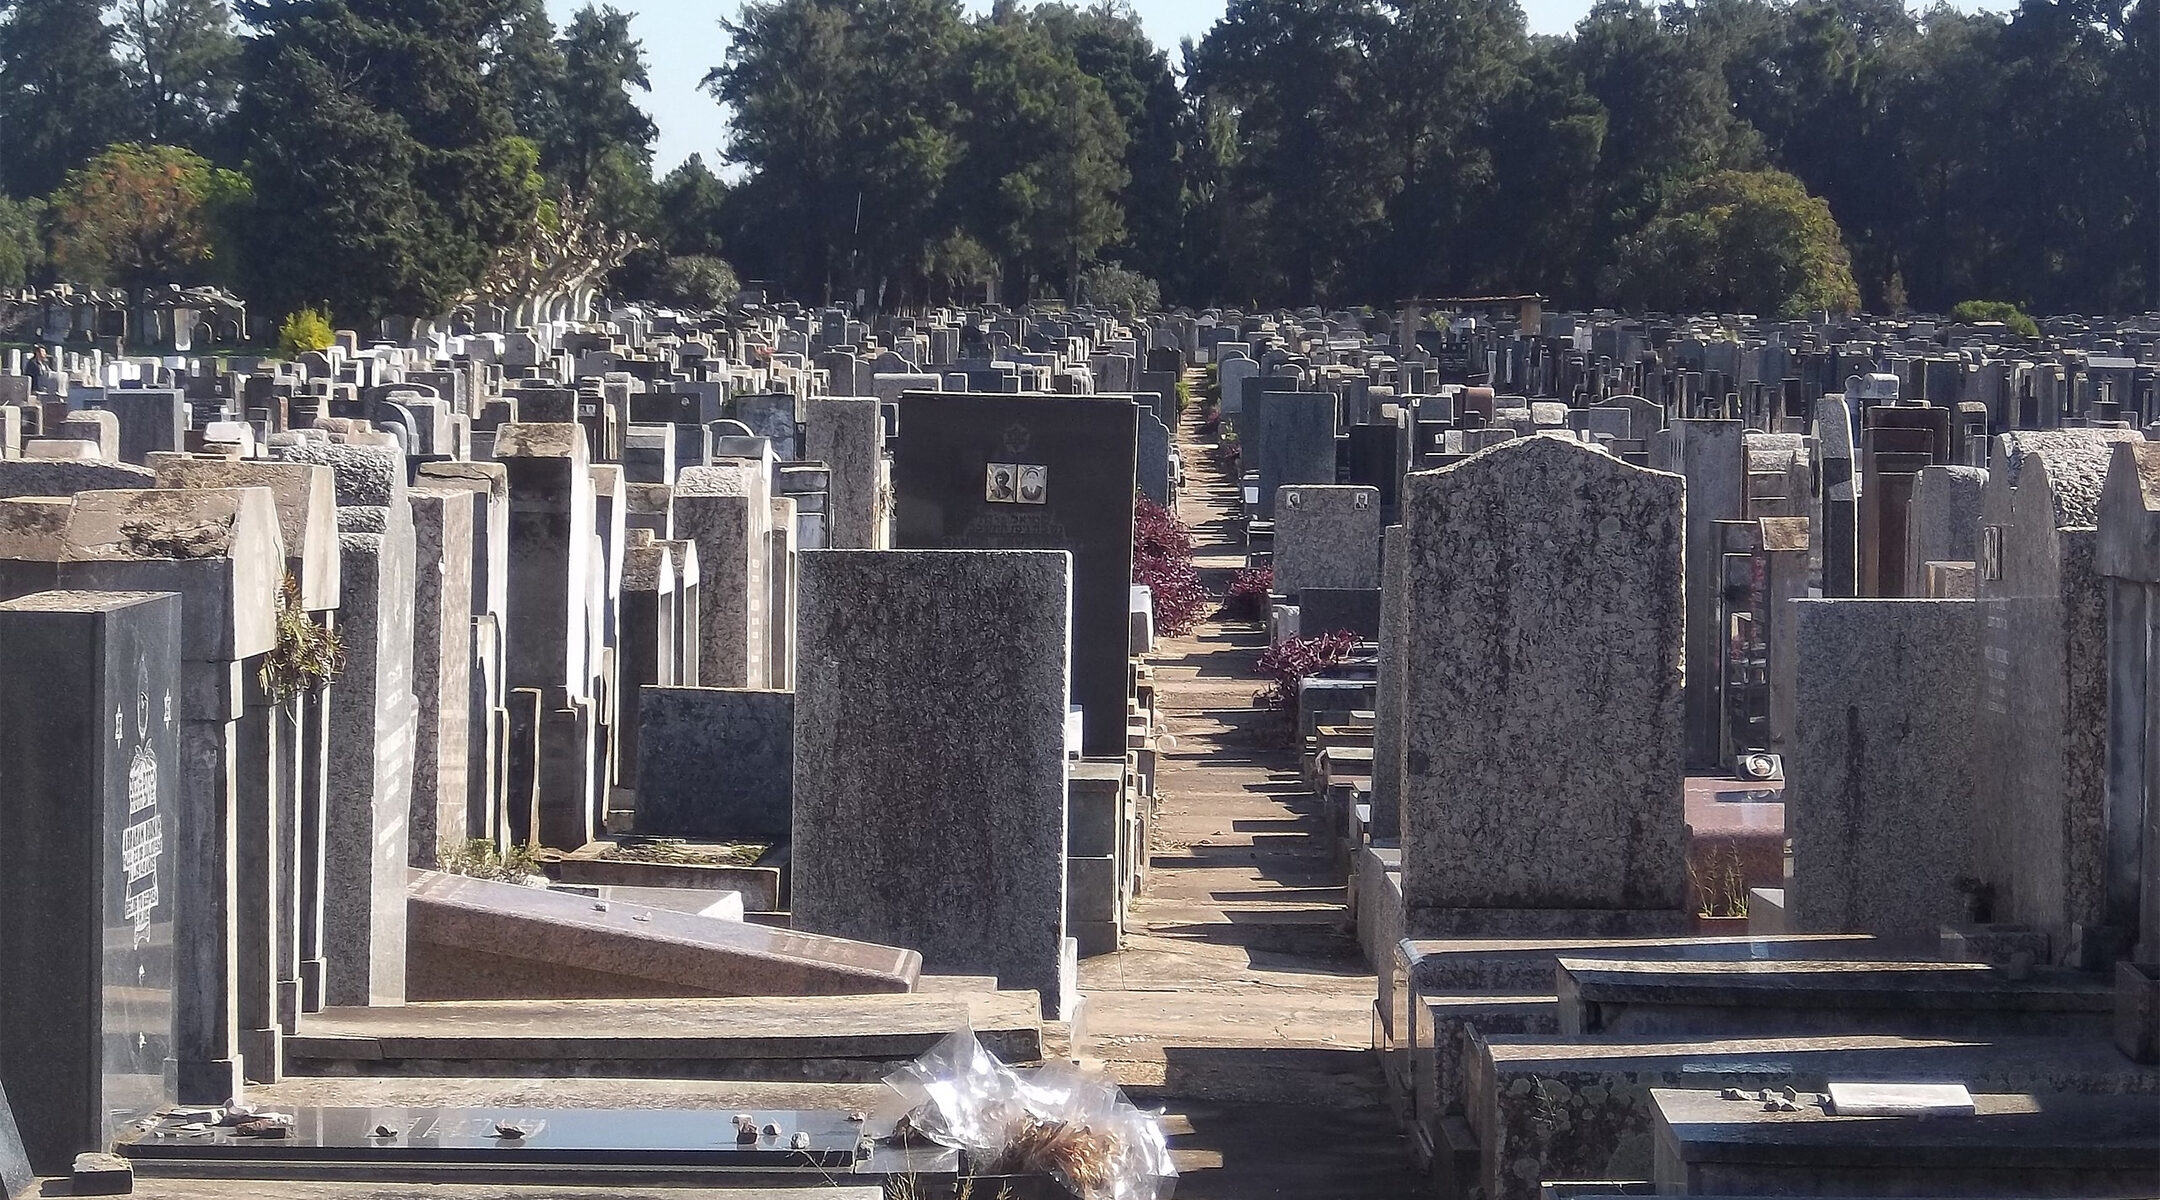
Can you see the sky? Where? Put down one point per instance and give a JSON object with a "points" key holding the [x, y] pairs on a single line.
{"points": [[683, 41]]}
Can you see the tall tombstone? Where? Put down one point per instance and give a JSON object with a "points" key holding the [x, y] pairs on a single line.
{"points": [[368, 797], [846, 434], [930, 731], [1879, 780], [1942, 521], [89, 787], [550, 558], [781, 581], [2039, 740], [16, 1174], [976, 472], [221, 549], [651, 600], [1326, 536], [279, 819], [2129, 559], [1152, 462], [1387, 777], [1292, 440], [716, 763], [442, 671], [1542, 717], [726, 509], [1840, 525], [1709, 455]]}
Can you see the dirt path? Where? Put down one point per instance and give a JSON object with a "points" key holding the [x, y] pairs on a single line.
{"points": [[1241, 1001]]}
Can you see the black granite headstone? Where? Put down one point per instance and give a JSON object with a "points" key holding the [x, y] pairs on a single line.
{"points": [[1081, 449], [89, 763]]}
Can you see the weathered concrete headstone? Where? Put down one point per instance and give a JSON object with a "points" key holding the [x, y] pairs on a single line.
{"points": [[89, 825], [1878, 783], [1943, 521], [2039, 739], [442, 671], [846, 434], [929, 732], [726, 509], [1544, 609]]}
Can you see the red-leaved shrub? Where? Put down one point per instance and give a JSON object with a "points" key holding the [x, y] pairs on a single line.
{"points": [[1248, 598], [1162, 560], [1289, 661]]}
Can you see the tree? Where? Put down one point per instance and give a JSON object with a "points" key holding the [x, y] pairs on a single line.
{"points": [[1121, 291], [1298, 87], [1044, 161], [388, 176], [180, 60], [62, 97], [602, 129], [141, 215], [22, 241], [1753, 241]]}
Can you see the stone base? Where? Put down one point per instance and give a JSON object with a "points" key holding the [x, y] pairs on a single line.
{"points": [[311, 984], [2137, 1011], [1094, 937], [1546, 922], [263, 1050], [216, 1081]]}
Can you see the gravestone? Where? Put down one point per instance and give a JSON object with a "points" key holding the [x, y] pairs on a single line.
{"points": [[1387, 785], [1152, 462], [2040, 735], [1291, 440], [367, 798], [974, 472], [442, 671], [89, 782], [150, 421], [846, 435], [726, 510], [929, 733], [1709, 455], [1943, 521], [1878, 783], [1326, 537], [716, 763], [2129, 557], [1544, 609]]}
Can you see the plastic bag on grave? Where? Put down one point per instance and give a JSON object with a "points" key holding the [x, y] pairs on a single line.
{"points": [[958, 1094], [1075, 1127]]}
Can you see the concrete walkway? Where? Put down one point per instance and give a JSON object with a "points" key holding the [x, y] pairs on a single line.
{"points": [[1241, 1002]]}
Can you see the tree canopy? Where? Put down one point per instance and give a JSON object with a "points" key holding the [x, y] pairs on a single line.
{"points": [[1774, 154]]}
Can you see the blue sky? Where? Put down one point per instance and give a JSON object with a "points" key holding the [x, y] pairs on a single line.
{"points": [[682, 41]]}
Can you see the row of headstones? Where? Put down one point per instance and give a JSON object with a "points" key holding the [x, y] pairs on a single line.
{"points": [[1535, 594], [369, 725]]}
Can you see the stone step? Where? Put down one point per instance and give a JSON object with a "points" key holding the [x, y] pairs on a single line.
{"points": [[835, 1039]]}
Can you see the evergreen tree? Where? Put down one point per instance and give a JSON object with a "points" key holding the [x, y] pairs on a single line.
{"points": [[181, 60], [62, 95], [387, 173]]}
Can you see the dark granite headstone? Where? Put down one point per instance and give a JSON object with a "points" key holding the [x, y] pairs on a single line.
{"points": [[716, 763], [944, 468], [1328, 610], [89, 768], [1293, 440], [150, 421]]}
